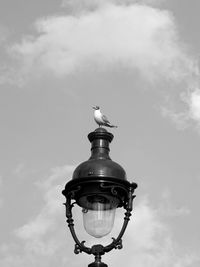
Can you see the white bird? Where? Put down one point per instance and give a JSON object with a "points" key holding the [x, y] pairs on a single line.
{"points": [[101, 119]]}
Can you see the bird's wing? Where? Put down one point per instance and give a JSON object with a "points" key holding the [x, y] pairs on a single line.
{"points": [[105, 119]]}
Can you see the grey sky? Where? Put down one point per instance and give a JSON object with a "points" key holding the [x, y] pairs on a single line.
{"points": [[137, 60]]}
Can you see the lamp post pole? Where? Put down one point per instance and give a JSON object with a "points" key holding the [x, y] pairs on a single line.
{"points": [[99, 186]]}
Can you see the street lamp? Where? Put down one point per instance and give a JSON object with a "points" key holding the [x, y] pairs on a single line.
{"points": [[99, 186]]}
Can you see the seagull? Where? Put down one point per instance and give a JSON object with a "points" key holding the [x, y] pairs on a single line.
{"points": [[101, 119]]}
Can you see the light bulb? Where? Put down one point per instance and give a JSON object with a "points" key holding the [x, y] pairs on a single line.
{"points": [[99, 220]]}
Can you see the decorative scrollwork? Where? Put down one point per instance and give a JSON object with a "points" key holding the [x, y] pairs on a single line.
{"points": [[69, 207], [118, 244], [111, 187], [78, 249], [113, 191]]}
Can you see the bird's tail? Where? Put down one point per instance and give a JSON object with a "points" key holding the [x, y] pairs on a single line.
{"points": [[112, 126]]}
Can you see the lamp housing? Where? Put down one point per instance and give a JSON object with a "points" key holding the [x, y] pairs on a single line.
{"points": [[99, 186]]}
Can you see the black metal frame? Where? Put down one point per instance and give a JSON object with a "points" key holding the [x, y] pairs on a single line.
{"points": [[121, 189], [99, 177]]}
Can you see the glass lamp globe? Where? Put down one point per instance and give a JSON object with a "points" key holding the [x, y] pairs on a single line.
{"points": [[98, 219]]}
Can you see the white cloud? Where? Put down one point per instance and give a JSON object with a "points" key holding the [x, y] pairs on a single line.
{"points": [[190, 113], [102, 35], [181, 119], [46, 219], [137, 37], [149, 242], [43, 235], [106, 35], [194, 104], [184, 108]]}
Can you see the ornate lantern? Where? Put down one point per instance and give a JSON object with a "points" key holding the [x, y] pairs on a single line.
{"points": [[99, 186]]}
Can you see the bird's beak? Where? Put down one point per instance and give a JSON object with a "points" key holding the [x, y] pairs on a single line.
{"points": [[94, 107]]}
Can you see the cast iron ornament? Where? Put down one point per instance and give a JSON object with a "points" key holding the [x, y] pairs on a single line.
{"points": [[102, 177]]}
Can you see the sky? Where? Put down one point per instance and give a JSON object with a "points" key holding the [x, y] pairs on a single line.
{"points": [[137, 60]]}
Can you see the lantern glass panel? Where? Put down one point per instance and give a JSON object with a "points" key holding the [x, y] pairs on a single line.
{"points": [[98, 219]]}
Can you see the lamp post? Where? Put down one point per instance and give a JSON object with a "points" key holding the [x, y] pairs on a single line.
{"points": [[99, 186]]}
